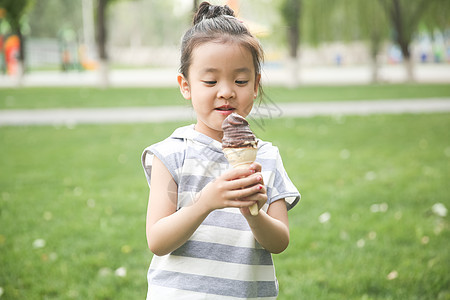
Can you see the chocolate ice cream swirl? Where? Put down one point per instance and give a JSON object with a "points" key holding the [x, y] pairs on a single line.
{"points": [[237, 133]]}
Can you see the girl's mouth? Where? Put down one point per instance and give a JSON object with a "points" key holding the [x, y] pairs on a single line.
{"points": [[224, 109]]}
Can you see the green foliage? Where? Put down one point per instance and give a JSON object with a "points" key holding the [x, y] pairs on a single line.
{"points": [[46, 13], [404, 16], [343, 20], [15, 9], [436, 16]]}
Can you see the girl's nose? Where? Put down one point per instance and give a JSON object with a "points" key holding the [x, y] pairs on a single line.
{"points": [[226, 92]]}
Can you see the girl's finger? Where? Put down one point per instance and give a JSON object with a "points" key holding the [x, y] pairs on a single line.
{"points": [[237, 173], [244, 192], [245, 182], [256, 166]]}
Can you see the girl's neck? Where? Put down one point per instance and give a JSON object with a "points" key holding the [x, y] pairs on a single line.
{"points": [[214, 134]]}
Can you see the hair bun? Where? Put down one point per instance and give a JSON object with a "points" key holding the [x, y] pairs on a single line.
{"points": [[208, 11]]}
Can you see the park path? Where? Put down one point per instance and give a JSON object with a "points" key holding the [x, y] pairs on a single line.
{"points": [[267, 110]]}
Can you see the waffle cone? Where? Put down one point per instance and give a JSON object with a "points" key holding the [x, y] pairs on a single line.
{"points": [[242, 158]]}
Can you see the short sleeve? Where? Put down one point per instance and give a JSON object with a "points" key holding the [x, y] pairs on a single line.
{"points": [[283, 186], [278, 184], [169, 152]]}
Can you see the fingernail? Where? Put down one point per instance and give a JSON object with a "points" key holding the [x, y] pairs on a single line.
{"points": [[260, 187], [259, 178]]}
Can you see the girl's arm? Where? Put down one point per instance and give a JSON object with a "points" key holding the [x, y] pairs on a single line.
{"points": [[270, 229], [168, 229]]}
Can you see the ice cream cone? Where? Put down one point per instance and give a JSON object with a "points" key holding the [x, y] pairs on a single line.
{"points": [[242, 158]]}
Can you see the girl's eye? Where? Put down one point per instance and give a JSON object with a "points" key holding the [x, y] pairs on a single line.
{"points": [[209, 82], [241, 82]]}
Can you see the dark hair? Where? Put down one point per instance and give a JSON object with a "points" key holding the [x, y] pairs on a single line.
{"points": [[218, 23]]}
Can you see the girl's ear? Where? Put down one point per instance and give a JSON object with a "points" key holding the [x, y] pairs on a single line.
{"points": [[184, 86]]}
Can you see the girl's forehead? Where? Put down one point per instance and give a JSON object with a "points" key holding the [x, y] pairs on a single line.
{"points": [[229, 53]]}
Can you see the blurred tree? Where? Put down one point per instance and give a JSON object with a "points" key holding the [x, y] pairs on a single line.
{"points": [[195, 5], [291, 13], [437, 16], [436, 23], [374, 28], [147, 23], [15, 10], [48, 17], [101, 35], [404, 16]]}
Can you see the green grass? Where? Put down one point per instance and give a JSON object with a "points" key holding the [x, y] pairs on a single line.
{"points": [[83, 191], [121, 97]]}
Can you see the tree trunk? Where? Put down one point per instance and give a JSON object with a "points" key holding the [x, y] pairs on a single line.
{"points": [[375, 72], [195, 5], [293, 72], [294, 40], [375, 45], [409, 67], [402, 38], [101, 40], [21, 59]]}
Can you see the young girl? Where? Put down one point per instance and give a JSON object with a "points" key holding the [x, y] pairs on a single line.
{"points": [[206, 244]]}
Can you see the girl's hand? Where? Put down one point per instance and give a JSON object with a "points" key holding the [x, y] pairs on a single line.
{"points": [[238, 188], [261, 197]]}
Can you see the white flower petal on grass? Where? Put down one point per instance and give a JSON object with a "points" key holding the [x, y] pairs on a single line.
{"points": [[381, 207], [439, 209], [344, 235], [1, 291], [126, 249], [360, 243], [121, 272], [370, 176], [38, 243], [104, 271], [91, 203], [398, 215], [344, 154], [425, 240], [393, 275], [374, 208], [325, 217], [48, 215]]}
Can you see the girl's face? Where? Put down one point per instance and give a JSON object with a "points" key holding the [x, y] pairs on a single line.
{"points": [[221, 81]]}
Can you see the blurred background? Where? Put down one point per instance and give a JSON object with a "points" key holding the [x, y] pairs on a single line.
{"points": [[304, 40], [357, 99]]}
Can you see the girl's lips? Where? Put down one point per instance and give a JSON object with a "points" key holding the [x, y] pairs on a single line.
{"points": [[225, 110]]}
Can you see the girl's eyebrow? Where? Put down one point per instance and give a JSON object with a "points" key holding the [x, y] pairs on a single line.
{"points": [[236, 71], [210, 70], [243, 70]]}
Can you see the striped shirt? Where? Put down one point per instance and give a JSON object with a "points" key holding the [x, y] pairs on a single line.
{"points": [[222, 259]]}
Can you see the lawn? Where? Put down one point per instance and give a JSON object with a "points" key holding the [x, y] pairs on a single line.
{"points": [[121, 97], [369, 226]]}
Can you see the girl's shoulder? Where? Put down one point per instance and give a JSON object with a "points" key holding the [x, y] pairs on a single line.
{"points": [[267, 149], [176, 142], [170, 151]]}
